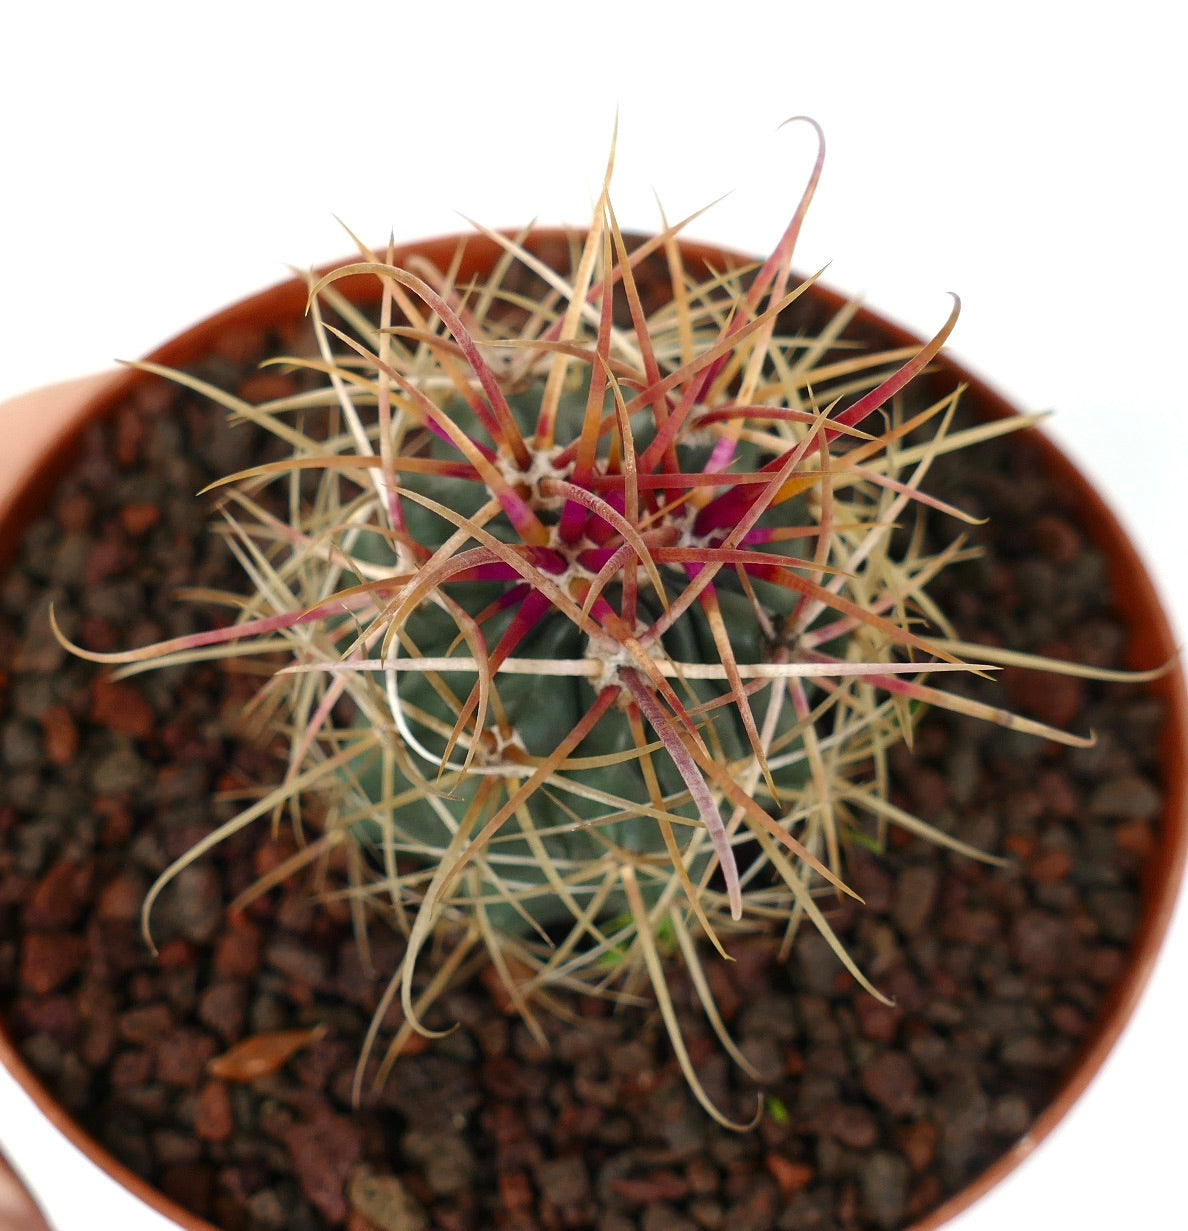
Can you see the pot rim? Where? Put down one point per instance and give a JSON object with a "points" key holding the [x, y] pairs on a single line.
{"points": [[1152, 640]]}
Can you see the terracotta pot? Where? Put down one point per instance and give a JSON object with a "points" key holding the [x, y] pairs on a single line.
{"points": [[39, 437], [18, 1210]]}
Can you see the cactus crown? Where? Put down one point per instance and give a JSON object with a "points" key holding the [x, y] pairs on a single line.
{"points": [[596, 629]]}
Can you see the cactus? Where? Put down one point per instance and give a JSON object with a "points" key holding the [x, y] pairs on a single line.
{"points": [[596, 630]]}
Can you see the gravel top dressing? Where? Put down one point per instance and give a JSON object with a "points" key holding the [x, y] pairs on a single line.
{"points": [[873, 1114]]}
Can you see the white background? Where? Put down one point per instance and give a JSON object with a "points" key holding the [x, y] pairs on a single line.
{"points": [[162, 160]]}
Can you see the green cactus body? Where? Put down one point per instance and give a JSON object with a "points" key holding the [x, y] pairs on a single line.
{"points": [[587, 818]]}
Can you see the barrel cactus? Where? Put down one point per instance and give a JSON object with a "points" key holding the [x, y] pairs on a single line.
{"points": [[596, 630]]}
